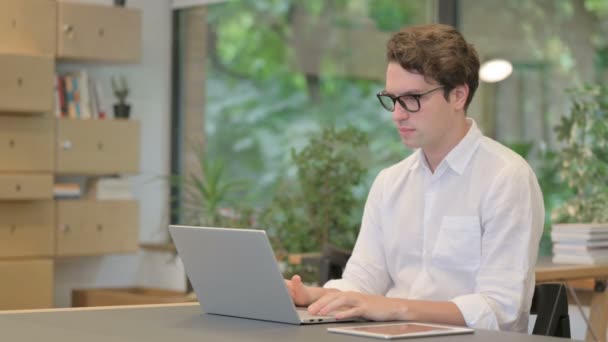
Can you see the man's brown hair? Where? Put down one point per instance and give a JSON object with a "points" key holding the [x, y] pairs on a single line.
{"points": [[438, 52]]}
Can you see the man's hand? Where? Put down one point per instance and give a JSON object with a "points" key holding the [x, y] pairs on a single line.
{"points": [[300, 294], [304, 295], [355, 304], [380, 308]]}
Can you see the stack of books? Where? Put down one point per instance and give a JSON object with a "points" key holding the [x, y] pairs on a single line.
{"points": [[78, 96], [580, 243]]}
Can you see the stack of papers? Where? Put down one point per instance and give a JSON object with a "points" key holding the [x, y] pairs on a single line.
{"points": [[113, 189], [577, 243]]}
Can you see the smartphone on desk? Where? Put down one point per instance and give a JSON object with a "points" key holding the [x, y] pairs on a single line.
{"points": [[401, 330]]}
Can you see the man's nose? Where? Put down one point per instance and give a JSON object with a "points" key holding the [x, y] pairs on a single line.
{"points": [[400, 113]]}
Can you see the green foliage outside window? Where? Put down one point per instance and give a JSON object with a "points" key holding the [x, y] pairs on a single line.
{"points": [[583, 157], [260, 105]]}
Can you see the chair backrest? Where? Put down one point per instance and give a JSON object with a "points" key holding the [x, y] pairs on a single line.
{"points": [[332, 263], [550, 304]]}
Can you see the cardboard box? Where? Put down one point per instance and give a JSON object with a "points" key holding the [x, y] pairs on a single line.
{"points": [[127, 296], [26, 284]]}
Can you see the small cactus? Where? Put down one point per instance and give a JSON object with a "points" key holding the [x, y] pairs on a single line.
{"points": [[120, 89]]}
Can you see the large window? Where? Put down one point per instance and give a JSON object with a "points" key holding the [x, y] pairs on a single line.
{"points": [[277, 71], [553, 45]]}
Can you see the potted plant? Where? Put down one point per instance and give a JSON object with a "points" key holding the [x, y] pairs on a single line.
{"points": [[583, 162], [321, 206], [208, 198], [121, 90]]}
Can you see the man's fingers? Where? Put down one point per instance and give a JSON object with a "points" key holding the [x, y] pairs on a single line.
{"points": [[296, 284], [296, 280], [352, 312], [335, 304], [321, 302], [331, 302]]}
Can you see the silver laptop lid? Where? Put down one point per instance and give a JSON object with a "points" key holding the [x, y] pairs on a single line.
{"points": [[234, 272]]}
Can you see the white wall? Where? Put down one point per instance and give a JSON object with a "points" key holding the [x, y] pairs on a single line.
{"points": [[150, 83]]}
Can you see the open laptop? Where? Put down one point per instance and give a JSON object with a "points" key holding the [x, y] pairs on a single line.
{"points": [[234, 273]]}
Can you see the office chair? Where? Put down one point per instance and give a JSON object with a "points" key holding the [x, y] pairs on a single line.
{"points": [[550, 304], [332, 263]]}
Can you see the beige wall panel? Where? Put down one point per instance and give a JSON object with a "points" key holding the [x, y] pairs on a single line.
{"points": [[97, 147], [28, 26], [97, 227], [26, 186], [27, 229], [27, 144], [26, 284], [101, 33], [26, 83]]}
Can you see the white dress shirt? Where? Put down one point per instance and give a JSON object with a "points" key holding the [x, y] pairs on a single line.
{"points": [[467, 233]]}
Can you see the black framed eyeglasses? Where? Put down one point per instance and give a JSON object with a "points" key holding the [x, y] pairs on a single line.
{"points": [[409, 102]]}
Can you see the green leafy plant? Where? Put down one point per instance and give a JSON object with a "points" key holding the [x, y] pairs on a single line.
{"points": [[120, 89], [321, 206], [208, 199], [555, 193], [583, 157]]}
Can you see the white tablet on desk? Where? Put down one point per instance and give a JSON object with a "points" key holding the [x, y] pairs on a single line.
{"points": [[401, 330]]}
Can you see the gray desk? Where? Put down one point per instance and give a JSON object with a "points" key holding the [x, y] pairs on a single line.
{"points": [[183, 323]]}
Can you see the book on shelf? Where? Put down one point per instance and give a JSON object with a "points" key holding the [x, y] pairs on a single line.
{"points": [[67, 190], [582, 236], [57, 93], [85, 100], [579, 250], [579, 259], [77, 96], [580, 245], [579, 228]]}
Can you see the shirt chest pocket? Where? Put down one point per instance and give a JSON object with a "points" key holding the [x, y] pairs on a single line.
{"points": [[458, 245]]}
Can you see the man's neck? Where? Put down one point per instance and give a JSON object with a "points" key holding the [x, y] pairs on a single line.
{"points": [[435, 154]]}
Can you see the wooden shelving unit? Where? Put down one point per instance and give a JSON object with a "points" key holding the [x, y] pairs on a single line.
{"points": [[35, 147]]}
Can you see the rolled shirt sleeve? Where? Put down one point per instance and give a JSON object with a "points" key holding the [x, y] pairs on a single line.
{"points": [[512, 226]]}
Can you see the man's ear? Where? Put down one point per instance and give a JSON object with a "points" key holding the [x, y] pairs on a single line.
{"points": [[458, 96]]}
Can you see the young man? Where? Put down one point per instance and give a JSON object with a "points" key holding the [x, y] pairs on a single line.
{"points": [[450, 234]]}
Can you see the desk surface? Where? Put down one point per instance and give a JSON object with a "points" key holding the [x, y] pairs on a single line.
{"points": [[184, 323]]}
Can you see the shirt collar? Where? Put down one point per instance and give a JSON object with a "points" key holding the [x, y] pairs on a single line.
{"points": [[419, 160], [459, 156]]}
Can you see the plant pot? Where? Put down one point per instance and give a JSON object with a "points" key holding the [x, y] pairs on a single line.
{"points": [[120, 3], [122, 111]]}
